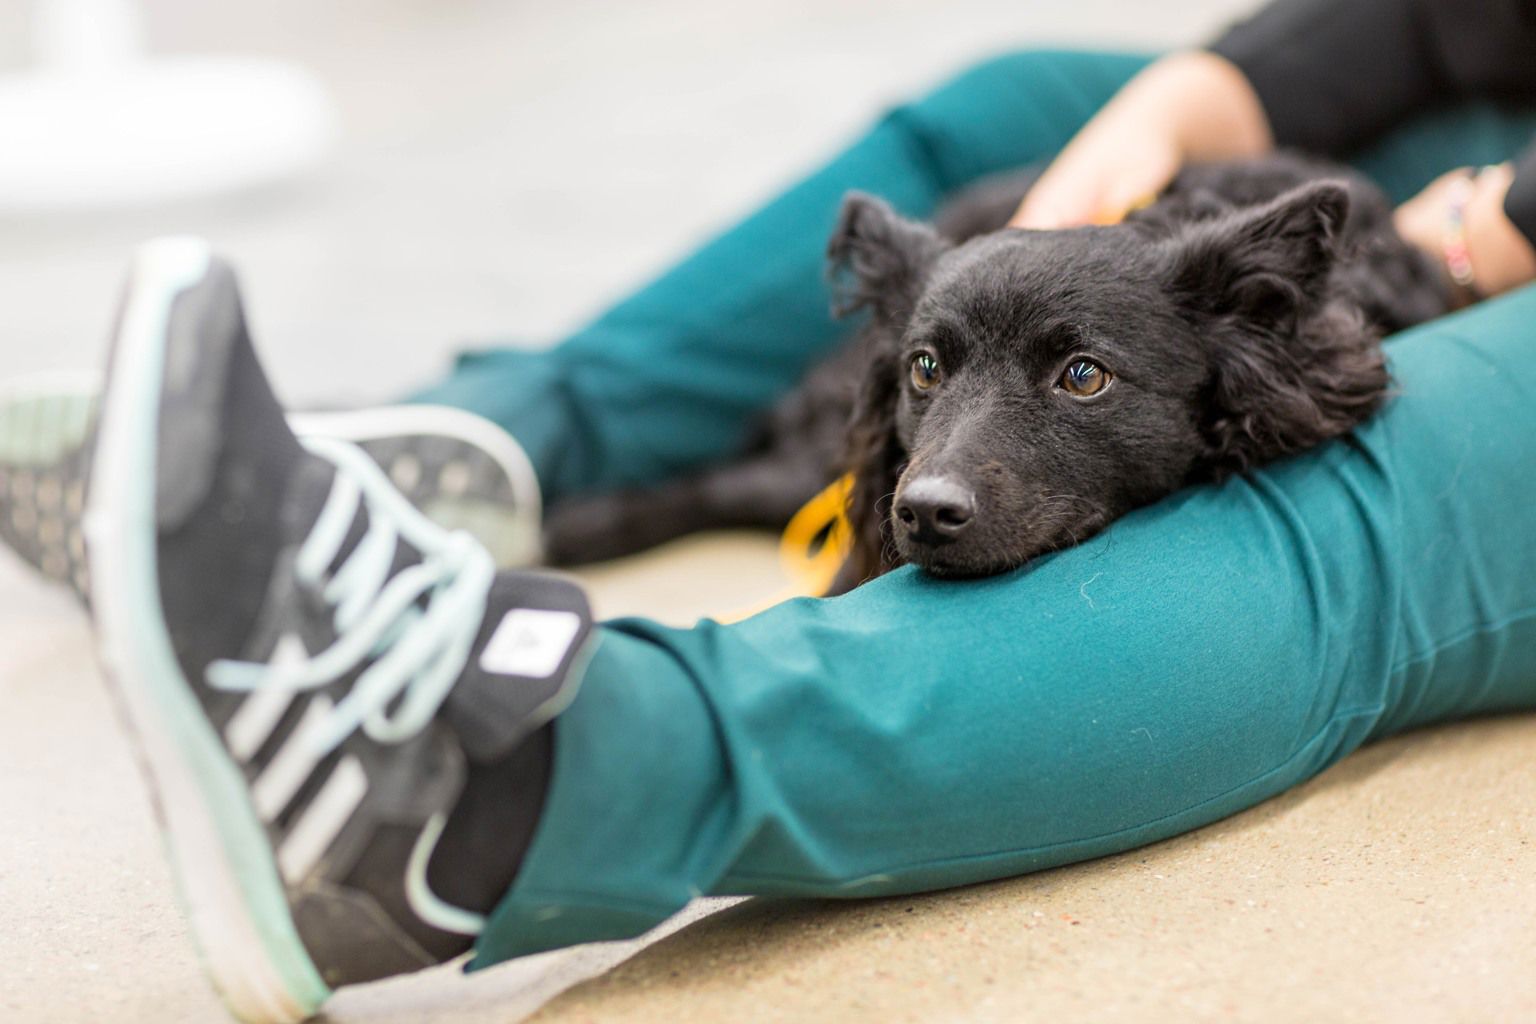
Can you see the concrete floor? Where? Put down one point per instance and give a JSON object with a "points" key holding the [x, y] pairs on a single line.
{"points": [[504, 168], [1399, 886]]}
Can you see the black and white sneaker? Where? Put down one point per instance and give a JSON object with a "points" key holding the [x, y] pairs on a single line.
{"points": [[323, 684], [460, 469]]}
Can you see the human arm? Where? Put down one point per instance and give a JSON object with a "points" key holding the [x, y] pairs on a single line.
{"points": [[1498, 254], [1323, 75]]}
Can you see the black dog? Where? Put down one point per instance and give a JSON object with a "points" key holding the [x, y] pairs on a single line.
{"points": [[1015, 392]]}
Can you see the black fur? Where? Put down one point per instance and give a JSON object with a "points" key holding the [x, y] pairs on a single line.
{"points": [[1239, 316]]}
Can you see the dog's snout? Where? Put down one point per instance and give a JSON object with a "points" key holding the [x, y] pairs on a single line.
{"points": [[935, 509]]}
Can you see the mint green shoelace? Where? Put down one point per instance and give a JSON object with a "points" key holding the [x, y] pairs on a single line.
{"points": [[416, 653]]}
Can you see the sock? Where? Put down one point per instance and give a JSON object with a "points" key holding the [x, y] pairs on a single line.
{"points": [[490, 828]]}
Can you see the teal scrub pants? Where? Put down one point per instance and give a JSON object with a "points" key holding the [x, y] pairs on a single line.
{"points": [[1194, 659]]}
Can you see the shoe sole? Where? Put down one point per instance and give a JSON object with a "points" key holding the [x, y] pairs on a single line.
{"points": [[43, 422], [220, 853], [45, 418]]}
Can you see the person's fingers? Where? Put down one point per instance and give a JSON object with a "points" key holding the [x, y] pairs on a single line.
{"points": [[1422, 219], [1069, 190], [1091, 185], [1501, 256], [1068, 194], [1046, 208], [1498, 177], [1140, 185]]}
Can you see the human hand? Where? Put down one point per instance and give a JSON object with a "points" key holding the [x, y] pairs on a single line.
{"points": [[1491, 254], [1187, 106]]}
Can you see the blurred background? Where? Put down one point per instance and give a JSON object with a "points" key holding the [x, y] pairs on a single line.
{"points": [[496, 169]]}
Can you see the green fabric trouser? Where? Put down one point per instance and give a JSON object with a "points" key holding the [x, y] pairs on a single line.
{"points": [[1199, 656]]}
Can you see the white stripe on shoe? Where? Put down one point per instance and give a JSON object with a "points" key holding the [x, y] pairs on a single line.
{"points": [[294, 762], [253, 722], [323, 820]]}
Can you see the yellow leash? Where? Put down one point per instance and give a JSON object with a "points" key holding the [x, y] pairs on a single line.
{"points": [[1112, 215], [818, 538], [812, 548]]}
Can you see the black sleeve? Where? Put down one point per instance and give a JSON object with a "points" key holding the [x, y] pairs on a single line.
{"points": [[1520, 202], [1332, 74]]}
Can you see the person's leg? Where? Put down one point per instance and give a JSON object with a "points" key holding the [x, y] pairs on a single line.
{"points": [[1198, 657], [672, 376]]}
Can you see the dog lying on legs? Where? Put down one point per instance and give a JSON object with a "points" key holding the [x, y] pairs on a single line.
{"points": [[1013, 392]]}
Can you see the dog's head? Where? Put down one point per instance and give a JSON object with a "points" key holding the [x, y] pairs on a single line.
{"points": [[1029, 387]]}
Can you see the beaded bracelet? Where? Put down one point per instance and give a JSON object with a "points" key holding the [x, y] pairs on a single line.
{"points": [[1458, 259]]}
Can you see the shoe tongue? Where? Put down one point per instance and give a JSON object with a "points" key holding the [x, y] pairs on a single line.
{"points": [[310, 491], [302, 608], [529, 641], [533, 638]]}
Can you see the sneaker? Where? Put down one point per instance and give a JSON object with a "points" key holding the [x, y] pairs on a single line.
{"points": [[315, 674], [463, 471]]}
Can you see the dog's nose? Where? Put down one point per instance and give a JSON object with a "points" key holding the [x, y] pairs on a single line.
{"points": [[935, 509]]}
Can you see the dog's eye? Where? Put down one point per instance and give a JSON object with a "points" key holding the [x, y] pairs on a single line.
{"points": [[1084, 378], [925, 371]]}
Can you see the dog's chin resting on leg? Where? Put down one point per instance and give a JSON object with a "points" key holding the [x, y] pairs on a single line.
{"points": [[1014, 392], [1027, 388]]}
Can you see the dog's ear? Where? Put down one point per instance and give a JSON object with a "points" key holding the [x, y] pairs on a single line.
{"points": [[1262, 264], [878, 259], [1291, 366], [875, 457]]}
